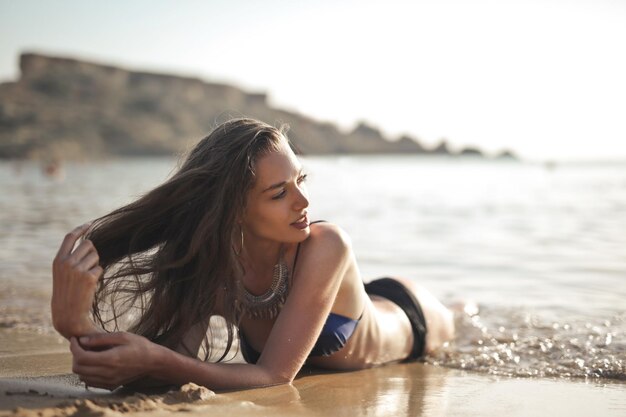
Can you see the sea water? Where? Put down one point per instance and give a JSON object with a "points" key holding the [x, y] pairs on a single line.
{"points": [[541, 249]]}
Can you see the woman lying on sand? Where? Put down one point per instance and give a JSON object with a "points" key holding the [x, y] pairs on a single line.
{"points": [[229, 235]]}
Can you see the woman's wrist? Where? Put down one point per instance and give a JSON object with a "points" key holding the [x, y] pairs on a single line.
{"points": [[80, 326], [159, 359]]}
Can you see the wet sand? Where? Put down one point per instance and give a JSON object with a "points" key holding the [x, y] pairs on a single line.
{"points": [[38, 382]]}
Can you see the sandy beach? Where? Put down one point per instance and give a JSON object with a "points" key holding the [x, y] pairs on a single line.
{"points": [[550, 291], [38, 382]]}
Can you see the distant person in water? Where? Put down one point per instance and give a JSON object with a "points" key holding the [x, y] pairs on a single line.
{"points": [[53, 168], [229, 235]]}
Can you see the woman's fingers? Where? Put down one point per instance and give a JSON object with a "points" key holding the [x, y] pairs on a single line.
{"points": [[82, 249], [77, 350], [88, 357], [98, 349], [95, 381], [104, 340], [70, 240], [100, 377], [101, 369], [96, 272], [90, 371], [89, 261], [85, 258]]}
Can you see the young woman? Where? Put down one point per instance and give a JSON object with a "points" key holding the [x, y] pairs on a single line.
{"points": [[229, 235]]}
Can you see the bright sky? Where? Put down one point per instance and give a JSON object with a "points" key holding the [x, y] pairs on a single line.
{"points": [[545, 78]]}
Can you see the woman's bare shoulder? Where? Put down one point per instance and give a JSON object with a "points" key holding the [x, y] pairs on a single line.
{"points": [[324, 257], [325, 233]]}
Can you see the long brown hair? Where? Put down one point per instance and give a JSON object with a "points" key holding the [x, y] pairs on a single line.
{"points": [[168, 255]]}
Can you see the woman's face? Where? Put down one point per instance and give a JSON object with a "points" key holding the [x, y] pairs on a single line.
{"points": [[276, 207]]}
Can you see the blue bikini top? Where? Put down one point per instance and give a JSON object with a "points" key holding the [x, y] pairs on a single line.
{"points": [[335, 333]]}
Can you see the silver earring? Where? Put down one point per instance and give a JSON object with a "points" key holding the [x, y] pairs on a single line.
{"points": [[238, 252]]}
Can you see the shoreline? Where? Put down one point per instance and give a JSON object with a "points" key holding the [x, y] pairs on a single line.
{"points": [[39, 382]]}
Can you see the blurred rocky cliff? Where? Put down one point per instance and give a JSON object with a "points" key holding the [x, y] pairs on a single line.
{"points": [[67, 108]]}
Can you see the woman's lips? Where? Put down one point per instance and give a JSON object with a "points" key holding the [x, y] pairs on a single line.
{"points": [[301, 223]]}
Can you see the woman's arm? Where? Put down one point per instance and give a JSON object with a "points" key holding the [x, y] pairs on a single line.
{"points": [[132, 360], [291, 339], [325, 258], [75, 274]]}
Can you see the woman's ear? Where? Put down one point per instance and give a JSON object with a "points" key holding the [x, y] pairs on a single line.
{"points": [[239, 218]]}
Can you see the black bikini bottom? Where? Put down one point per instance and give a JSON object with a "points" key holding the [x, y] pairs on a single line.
{"points": [[396, 292]]}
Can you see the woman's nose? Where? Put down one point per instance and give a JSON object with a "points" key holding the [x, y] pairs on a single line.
{"points": [[302, 200]]}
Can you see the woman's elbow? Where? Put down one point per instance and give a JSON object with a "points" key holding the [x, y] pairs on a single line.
{"points": [[279, 378], [282, 380], [276, 377]]}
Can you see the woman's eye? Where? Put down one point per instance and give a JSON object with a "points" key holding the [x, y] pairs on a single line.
{"points": [[279, 195]]}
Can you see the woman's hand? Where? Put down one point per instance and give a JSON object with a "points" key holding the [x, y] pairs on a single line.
{"points": [[75, 275], [109, 360]]}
